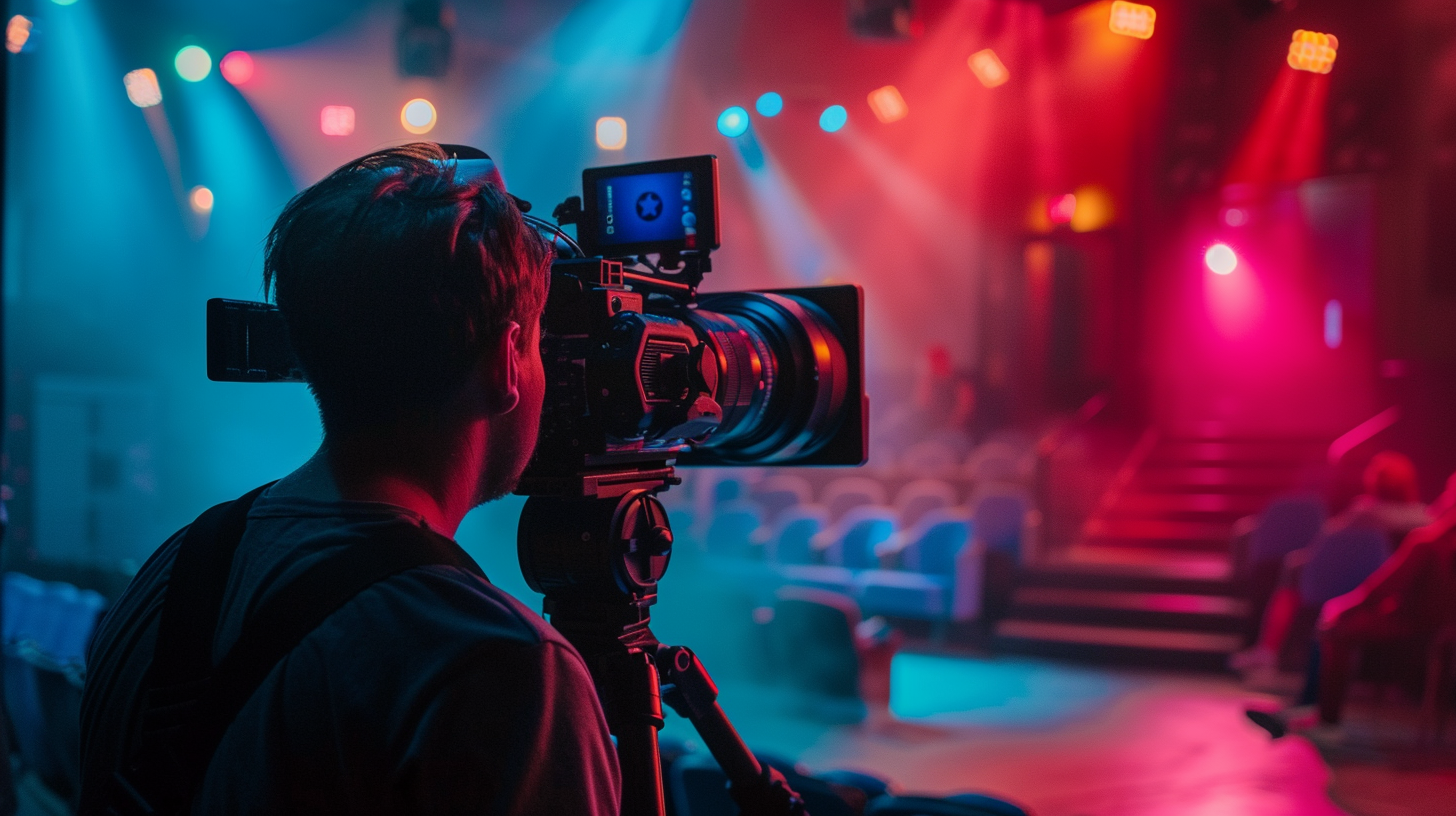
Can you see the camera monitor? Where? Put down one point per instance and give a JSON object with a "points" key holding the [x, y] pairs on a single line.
{"points": [[650, 207]]}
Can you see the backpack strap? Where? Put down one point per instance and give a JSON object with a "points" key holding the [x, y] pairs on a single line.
{"points": [[191, 703]]}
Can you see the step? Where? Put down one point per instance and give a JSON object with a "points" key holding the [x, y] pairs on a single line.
{"points": [[1148, 528], [1215, 479], [1155, 610], [1117, 644], [1235, 504], [1123, 636], [1132, 569]]}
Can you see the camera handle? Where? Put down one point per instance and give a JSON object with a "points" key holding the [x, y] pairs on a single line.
{"points": [[597, 559]]}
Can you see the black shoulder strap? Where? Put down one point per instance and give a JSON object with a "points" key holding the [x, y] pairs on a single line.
{"points": [[190, 704]]}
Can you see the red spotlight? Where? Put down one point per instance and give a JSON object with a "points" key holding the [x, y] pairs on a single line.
{"points": [[1221, 259], [1132, 19], [236, 67], [1313, 52]]}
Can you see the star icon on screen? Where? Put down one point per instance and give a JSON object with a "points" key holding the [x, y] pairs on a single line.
{"points": [[649, 206]]}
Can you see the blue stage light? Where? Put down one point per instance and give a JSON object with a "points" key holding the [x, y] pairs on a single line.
{"points": [[770, 104], [833, 118], [733, 122]]}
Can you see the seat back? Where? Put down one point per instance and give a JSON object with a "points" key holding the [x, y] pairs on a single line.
{"points": [[920, 497], [796, 529], [999, 519], [730, 533], [936, 543], [728, 489], [995, 462], [844, 494], [966, 804], [857, 535], [1339, 562], [813, 636], [1289, 523]]}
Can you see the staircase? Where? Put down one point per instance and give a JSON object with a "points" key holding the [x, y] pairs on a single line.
{"points": [[1149, 580]]}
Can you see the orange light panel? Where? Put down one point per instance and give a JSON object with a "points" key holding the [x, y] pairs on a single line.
{"points": [[17, 32], [1313, 52], [988, 68], [336, 120], [1132, 19], [887, 104], [142, 88]]}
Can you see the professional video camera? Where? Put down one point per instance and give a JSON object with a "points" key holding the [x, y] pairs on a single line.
{"points": [[643, 372]]}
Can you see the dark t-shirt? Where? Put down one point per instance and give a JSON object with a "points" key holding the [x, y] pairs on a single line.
{"points": [[431, 692]]}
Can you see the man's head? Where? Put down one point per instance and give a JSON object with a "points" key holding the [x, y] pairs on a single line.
{"points": [[413, 298]]}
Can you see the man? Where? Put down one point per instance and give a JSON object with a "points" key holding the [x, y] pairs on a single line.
{"points": [[413, 296]]}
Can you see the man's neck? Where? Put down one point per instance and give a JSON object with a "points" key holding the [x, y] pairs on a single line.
{"points": [[435, 477]]}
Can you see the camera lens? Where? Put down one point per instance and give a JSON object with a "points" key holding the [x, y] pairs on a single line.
{"points": [[782, 375]]}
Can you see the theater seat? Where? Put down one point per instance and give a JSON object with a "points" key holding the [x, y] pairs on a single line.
{"points": [[966, 804], [941, 579]]}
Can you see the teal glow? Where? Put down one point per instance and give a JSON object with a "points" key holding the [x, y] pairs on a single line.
{"points": [[770, 104], [833, 118], [996, 692], [733, 122]]}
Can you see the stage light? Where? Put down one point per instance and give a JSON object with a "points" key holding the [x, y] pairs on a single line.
{"points": [[1334, 324], [1062, 209], [1093, 210], [17, 33], [1313, 52], [142, 88], [1132, 19], [888, 105], [733, 122], [63, 2], [201, 200], [193, 63], [336, 120], [1235, 216], [833, 118], [988, 68], [417, 116], [770, 104], [1221, 259], [236, 67], [611, 133]]}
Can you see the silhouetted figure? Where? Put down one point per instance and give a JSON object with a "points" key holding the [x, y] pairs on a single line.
{"points": [[413, 295]]}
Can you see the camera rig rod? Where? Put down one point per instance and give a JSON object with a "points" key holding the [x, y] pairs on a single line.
{"points": [[597, 557]]}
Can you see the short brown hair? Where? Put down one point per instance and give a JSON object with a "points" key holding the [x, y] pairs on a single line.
{"points": [[393, 275]]}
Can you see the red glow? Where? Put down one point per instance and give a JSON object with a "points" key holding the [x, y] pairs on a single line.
{"points": [[236, 67], [1061, 209], [1287, 140]]}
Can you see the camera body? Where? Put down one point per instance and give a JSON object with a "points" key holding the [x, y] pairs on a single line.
{"points": [[642, 370]]}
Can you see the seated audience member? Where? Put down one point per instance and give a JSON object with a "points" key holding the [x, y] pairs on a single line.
{"points": [[1390, 504], [1408, 600]]}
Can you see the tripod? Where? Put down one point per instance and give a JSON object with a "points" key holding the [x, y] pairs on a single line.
{"points": [[596, 545]]}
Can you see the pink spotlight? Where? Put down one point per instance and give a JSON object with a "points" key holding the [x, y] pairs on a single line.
{"points": [[336, 120], [1221, 259], [236, 67], [1061, 209]]}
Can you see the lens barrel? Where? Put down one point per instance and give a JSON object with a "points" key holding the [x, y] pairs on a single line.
{"points": [[782, 375]]}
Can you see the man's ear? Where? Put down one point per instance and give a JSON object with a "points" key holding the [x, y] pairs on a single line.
{"points": [[503, 371]]}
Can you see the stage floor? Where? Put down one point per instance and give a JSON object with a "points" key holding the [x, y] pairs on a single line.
{"points": [[1072, 740]]}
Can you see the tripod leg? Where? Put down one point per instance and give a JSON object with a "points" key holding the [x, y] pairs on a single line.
{"points": [[634, 714], [758, 789]]}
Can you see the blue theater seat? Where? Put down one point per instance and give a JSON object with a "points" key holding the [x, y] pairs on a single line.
{"points": [[941, 575]]}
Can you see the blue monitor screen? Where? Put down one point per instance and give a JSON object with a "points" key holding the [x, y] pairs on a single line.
{"points": [[649, 207]]}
